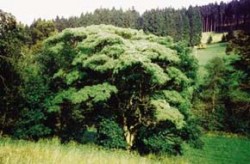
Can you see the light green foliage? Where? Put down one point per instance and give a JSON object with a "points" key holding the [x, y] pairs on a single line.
{"points": [[179, 77], [103, 71], [165, 112], [239, 96], [157, 74], [173, 97], [72, 76], [97, 93]]}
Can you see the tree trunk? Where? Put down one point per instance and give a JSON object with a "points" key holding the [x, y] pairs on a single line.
{"points": [[129, 136], [3, 123], [213, 101]]}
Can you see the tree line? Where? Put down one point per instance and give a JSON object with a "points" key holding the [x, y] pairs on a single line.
{"points": [[184, 24], [226, 17]]}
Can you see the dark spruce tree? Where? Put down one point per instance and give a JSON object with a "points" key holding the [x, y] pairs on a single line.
{"points": [[195, 25]]}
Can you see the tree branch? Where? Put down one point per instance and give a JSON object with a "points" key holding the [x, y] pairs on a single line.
{"points": [[3, 80]]}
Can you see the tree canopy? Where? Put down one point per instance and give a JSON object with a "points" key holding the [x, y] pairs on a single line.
{"points": [[105, 72], [10, 51]]}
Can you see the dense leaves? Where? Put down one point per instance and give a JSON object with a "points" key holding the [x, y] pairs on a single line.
{"points": [[10, 51], [103, 71], [224, 93], [110, 134]]}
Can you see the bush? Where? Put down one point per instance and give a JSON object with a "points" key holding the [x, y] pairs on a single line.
{"points": [[160, 139], [30, 125], [110, 135], [191, 134]]}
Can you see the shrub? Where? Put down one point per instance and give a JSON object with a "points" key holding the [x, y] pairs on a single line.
{"points": [[110, 135], [159, 139]]}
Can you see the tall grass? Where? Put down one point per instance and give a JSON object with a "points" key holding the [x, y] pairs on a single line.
{"points": [[218, 149], [52, 152]]}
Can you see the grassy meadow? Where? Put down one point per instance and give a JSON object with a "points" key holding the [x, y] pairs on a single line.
{"points": [[52, 152], [217, 149], [207, 54], [212, 51], [221, 150]]}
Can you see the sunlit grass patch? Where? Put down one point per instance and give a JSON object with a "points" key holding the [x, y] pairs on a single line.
{"points": [[212, 51], [51, 151], [216, 37]]}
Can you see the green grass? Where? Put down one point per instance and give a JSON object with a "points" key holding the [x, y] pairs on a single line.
{"points": [[221, 150], [207, 54], [212, 50], [52, 152], [217, 150]]}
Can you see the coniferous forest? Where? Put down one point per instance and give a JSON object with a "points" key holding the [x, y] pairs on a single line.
{"points": [[124, 80]]}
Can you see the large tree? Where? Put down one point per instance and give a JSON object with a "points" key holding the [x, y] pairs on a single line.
{"points": [[104, 72], [10, 51], [41, 29], [239, 91]]}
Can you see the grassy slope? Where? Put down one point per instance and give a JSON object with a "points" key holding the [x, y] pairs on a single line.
{"points": [[217, 149], [212, 50], [205, 55]]}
